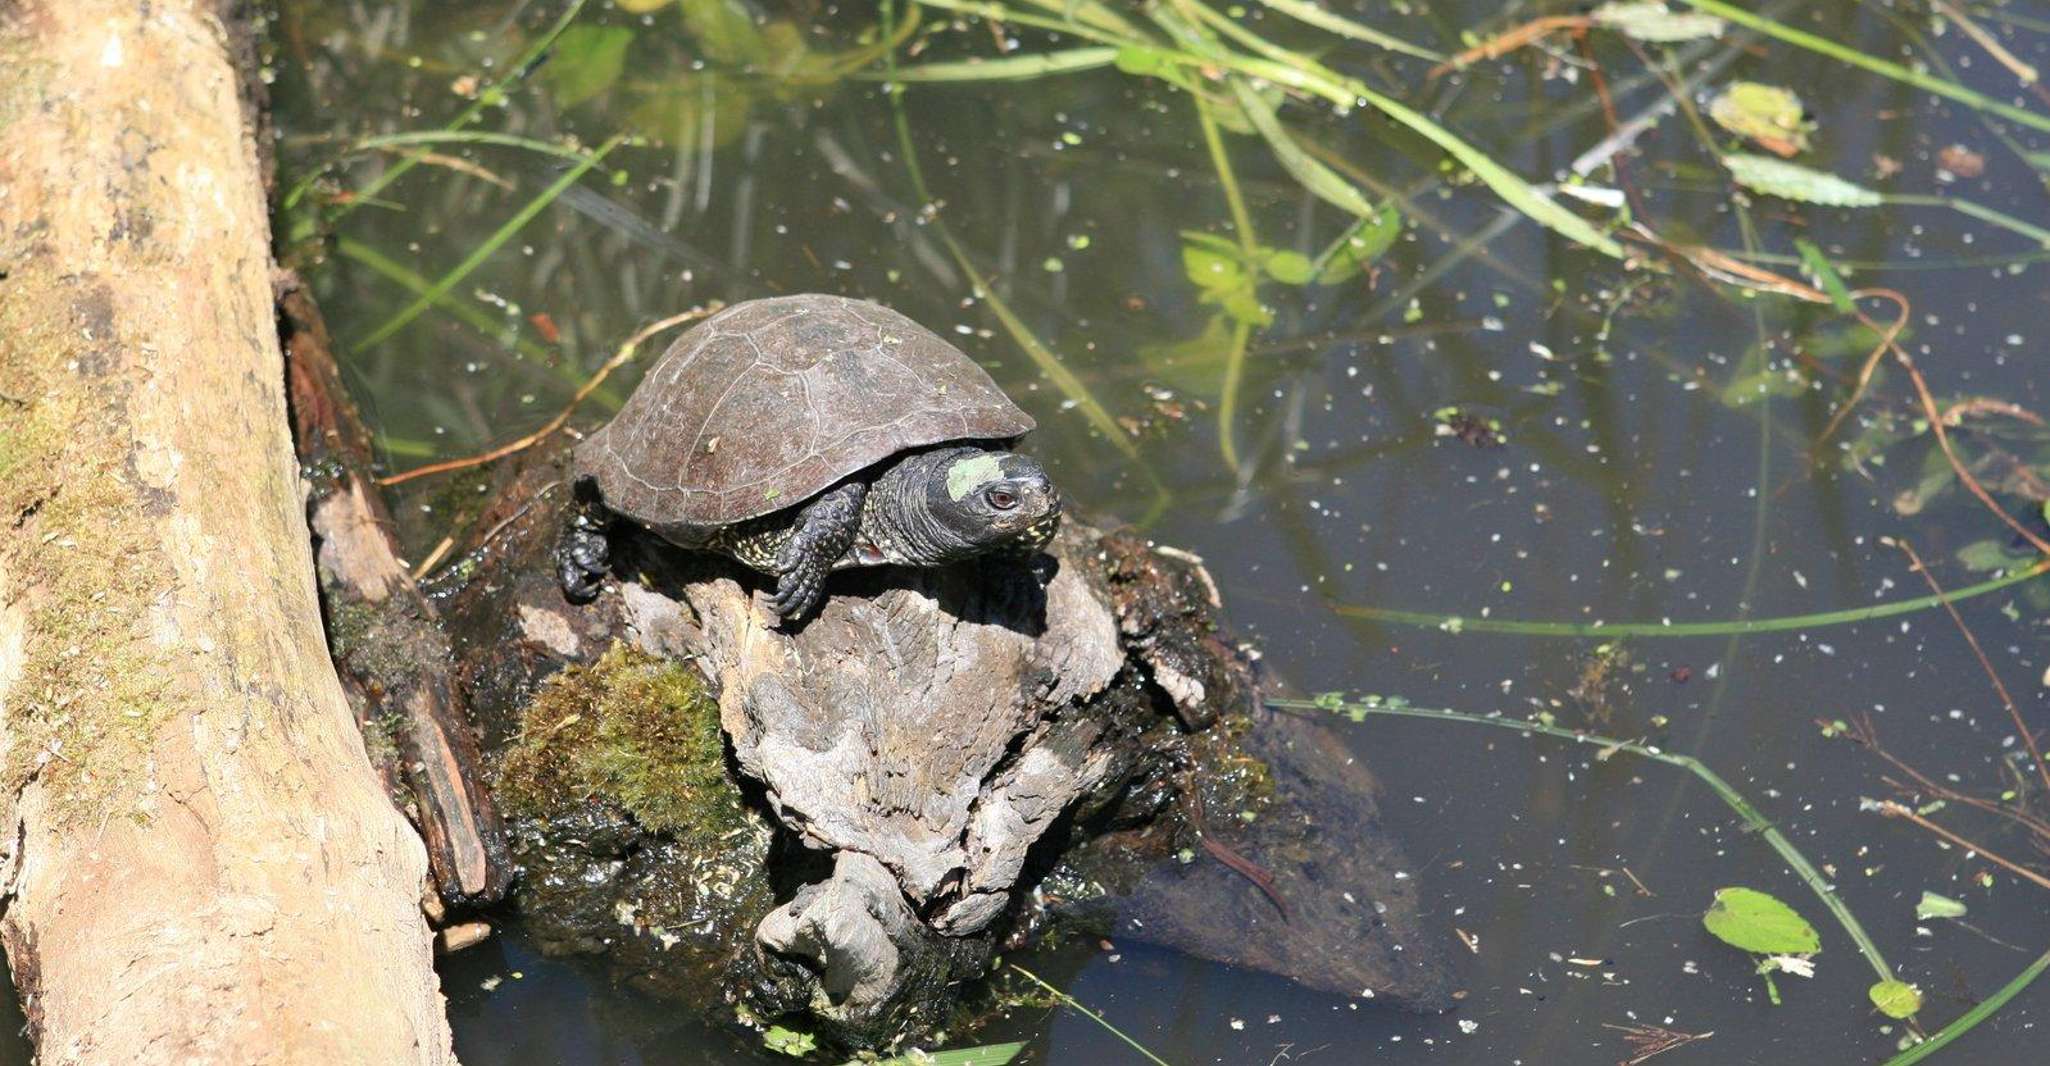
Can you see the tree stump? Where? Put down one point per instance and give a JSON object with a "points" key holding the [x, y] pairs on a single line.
{"points": [[916, 758]]}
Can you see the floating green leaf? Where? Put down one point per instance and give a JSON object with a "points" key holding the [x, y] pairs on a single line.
{"points": [[790, 1042], [1287, 267], [1768, 114], [1791, 181], [1896, 999], [1218, 269], [726, 32], [1655, 22], [587, 61], [1357, 248], [1935, 906], [1753, 921]]}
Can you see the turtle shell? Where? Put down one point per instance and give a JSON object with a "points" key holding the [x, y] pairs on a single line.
{"points": [[770, 402]]}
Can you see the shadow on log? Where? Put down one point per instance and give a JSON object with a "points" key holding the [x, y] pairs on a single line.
{"points": [[845, 821]]}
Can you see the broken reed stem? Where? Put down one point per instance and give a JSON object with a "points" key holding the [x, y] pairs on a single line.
{"points": [[620, 358], [2023, 72], [1896, 810], [1964, 476], [1866, 735], [2014, 712]]}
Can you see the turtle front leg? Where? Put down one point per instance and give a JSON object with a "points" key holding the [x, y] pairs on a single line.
{"points": [[584, 553], [824, 531]]}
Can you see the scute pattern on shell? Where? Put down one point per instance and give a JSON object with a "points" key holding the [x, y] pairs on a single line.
{"points": [[769, 402]]}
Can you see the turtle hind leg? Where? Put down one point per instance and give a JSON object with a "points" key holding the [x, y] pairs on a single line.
{"points": [[583, 555], [823, 532]]}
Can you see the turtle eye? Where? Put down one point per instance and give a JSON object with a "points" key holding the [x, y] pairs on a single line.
{"points": [[1000, 499]]}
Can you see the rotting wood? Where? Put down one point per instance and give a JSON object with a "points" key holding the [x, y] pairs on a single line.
{"points": [[393, 656], [198, 863]]}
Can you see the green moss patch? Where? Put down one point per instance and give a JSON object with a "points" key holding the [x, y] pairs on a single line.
{"points": [[630, 729], [82, 562]]}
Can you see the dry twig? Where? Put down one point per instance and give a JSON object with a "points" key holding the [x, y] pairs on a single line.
{"points": [[620, 358]]}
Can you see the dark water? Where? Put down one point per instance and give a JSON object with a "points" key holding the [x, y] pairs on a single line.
{"points": [[1658, 464]]}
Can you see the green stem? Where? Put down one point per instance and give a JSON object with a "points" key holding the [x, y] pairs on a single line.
{"points": [[495, 328], [1843, 53], [1688, 629], [1315, 15], [1076, 1005], [1979, 211], [1049, 363], [1242, 225], [491, 244], [1730, 796]]}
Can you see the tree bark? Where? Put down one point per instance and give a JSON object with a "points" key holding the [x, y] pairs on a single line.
{"points": [[198, 862]]}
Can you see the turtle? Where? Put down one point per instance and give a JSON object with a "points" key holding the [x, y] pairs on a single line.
{"points": [[805, 434]]}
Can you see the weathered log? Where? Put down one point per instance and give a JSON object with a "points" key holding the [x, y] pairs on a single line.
{"points": [[393, 656], [198, 863], [909, 762]]}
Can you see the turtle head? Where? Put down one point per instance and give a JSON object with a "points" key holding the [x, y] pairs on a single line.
{"points": [[994, 502]]}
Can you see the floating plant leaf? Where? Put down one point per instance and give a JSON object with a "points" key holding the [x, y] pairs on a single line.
{"points": [[790, 1042], [1896, 999], [1791, 181], [1655, 22], [1753, 921], [1767, 114], [1935, 906], [587, 61]]}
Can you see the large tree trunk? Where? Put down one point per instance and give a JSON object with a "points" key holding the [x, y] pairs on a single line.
{"points": [[198, 863]]}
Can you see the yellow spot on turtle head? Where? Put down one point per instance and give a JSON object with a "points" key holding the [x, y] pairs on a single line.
{"points": [[965, 475]]}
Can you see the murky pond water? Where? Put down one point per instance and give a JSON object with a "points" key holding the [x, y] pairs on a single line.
{"points": [[1486, 424]]}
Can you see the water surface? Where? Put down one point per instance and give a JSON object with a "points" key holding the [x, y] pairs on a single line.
{"points": [[1656, 463]]}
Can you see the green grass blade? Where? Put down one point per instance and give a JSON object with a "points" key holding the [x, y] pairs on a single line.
{"points": [[1846, 54], [1011, 68], [489, 97], [470, 315], [1314, 176], [1979, 1013], [1825, 272], [1730, 796], [1300, 72], [1979, 211], [1516, 192], [1315, 15], [1000, 13], [1242, 224], [1043, 357], [1458, 623], [1076, 1005], [484, 251]]}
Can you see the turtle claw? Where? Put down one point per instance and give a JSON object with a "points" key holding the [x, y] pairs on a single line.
{"points": [[584, 555], [825, 530], [798, 590]]}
